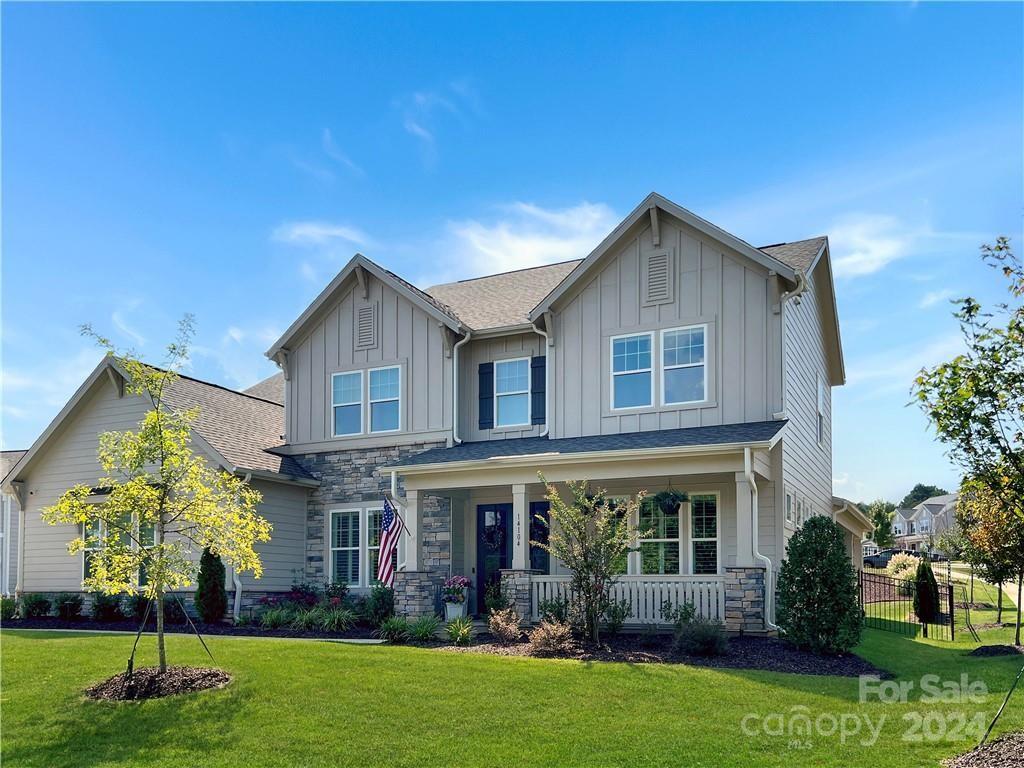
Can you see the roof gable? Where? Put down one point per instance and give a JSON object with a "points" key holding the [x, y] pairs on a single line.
{"points": [[357, 269]]}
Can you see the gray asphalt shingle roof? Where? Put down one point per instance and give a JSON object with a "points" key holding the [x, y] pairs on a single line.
{"points": [[241, 427], [723, 434], [7, 461], [798, 255], [271, 388]]}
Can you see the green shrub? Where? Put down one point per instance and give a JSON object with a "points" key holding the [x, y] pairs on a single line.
{"points": [[336, 618], [555, 610], [615, 616], [8, 608], [818, 608], [211, 598], [460, 631], [700, 637], [134, 607], [379, 605], [504, 625], [494, 597], [309, 620], [106, 607], [278, 616], [424, 629], [335, 591], [550, 638], [926, 594], [395, 630], [69, 606], [679, 615], [174, 610], [34, 606]]}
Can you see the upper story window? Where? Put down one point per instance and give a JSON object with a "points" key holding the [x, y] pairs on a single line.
{"points": [[370, 403], [347, 401], [684, 373], [385, 399], [632, 377], [512, 392]]}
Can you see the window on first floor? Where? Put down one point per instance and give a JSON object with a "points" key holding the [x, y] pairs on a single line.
{"points": [[659, 551], [704, 534], [345, 546], [127, 530], [373, 522], [789, 507]]}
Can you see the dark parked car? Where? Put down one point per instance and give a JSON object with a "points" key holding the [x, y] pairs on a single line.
{"points": [[881, 559]]}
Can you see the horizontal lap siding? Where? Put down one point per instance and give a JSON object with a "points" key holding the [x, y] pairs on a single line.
{"points": [[806, 465], [406, 334], [711, 284], [284, 555]]}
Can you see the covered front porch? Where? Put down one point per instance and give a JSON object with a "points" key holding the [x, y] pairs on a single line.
{"points": [[700, 551]]}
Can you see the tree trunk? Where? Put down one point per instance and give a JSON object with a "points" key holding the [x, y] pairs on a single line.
{"points": [[160, 649], [999, 604], [1020, 582]]}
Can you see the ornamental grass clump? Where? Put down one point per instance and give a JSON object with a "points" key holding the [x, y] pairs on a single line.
{"points": [[424, 629], [460, 631], [395, 630]]}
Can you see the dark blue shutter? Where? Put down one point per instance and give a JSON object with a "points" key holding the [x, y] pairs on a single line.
{"points": [[486, 395], [538, 385]]}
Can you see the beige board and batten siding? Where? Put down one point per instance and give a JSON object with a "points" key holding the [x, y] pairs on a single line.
{"points": [[491, 350], [806, 463], [712, 285], [405, 336]]}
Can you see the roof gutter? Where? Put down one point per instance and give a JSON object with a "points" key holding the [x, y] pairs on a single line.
{"points": [[455, 385]]}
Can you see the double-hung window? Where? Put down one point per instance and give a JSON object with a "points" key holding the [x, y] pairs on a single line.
{"points": [[91, 533], [659, 551], [704, 534], [632, 376], [512, 392], [347, 403], [821, 412], [684, 373], [345, 546], [373, 521], [385, 399]]}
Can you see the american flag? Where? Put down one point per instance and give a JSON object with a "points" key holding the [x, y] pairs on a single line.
{"points": [[391, 526]]}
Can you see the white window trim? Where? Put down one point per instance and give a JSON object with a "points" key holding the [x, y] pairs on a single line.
{"points": [[360, 546], [790, 509], [529, 404], [612, 372], [665, 368], [718, 530], [819, 420], [368, 421], [362, 410]]}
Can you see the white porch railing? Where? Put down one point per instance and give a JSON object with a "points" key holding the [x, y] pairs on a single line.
{"points": [[646, 594]]}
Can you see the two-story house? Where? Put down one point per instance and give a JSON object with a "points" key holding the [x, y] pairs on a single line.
{"points": [[920, 527], [673, 356]]}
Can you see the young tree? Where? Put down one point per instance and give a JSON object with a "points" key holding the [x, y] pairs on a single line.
{"points": [[881, 514], [919, 493], [995, 534], [975, 402], [160, 500], [592, 537]]}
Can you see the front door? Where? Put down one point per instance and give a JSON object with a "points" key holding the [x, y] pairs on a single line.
{"points": [[493, 547]]}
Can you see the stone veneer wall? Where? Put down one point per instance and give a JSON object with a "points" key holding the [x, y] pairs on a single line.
{"points": [[515, 586], [354, 477], [744, 599]]}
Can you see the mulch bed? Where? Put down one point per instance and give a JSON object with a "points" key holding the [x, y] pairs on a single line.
{"points": [[1005, 752], [205, 629], [997, 650], [148, 683], [744, 653]]}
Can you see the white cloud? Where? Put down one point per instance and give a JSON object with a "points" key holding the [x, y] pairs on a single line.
{"points": [[319, 233], [332, 150], [119, 319], [425, 112], [932, 298], [520, 235], [238, 353], [892, 371], [862, 244]]}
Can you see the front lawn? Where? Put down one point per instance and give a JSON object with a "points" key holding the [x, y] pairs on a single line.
{"points": [[311, 703]]}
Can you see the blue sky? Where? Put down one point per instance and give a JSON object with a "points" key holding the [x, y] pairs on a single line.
{"points": [[227, 160]]}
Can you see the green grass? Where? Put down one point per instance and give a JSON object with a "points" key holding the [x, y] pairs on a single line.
{"points": [[308, 703]]}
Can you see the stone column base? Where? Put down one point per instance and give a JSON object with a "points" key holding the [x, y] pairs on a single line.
{"points": [[515, 585], [744, 599], [416, 593]]}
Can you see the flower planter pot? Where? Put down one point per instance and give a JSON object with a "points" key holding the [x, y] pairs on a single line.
{"points": [[454, 611]]}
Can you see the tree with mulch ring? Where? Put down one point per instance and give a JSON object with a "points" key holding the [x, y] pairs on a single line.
{"points": [[151, 683], [1004, 751]]}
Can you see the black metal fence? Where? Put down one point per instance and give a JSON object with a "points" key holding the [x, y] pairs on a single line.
{"points": [[888, 604]]}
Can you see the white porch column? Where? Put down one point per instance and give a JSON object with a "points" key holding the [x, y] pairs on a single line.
{"points": [[413, 545], [744, 523], [520, 529]]}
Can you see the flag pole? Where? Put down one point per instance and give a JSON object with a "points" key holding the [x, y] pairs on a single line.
{"points": [[395, 503]]}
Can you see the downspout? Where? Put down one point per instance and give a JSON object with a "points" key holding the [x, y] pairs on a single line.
{"points": [[236, 609], [19, 493], [547, 381], [769, 576], [801, 288], [7, 544], [455, 397]]}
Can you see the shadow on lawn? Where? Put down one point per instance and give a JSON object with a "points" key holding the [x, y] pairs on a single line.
{"points": [[92, 733]]}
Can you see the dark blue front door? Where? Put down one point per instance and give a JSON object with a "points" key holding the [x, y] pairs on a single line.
{"points": [[539, 558], [493, 546]]}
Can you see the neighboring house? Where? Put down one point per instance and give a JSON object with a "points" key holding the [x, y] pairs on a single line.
{"points": [[921, 526], [855, 523], [674, 356], [9, 518]]}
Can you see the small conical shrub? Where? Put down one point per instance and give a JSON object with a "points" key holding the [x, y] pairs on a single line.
{"points": [[211, 598], [926, 594], [818, 607]]}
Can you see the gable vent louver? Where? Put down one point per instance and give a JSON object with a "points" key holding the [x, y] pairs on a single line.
{"points": [[657, 278], [366, 326]]}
